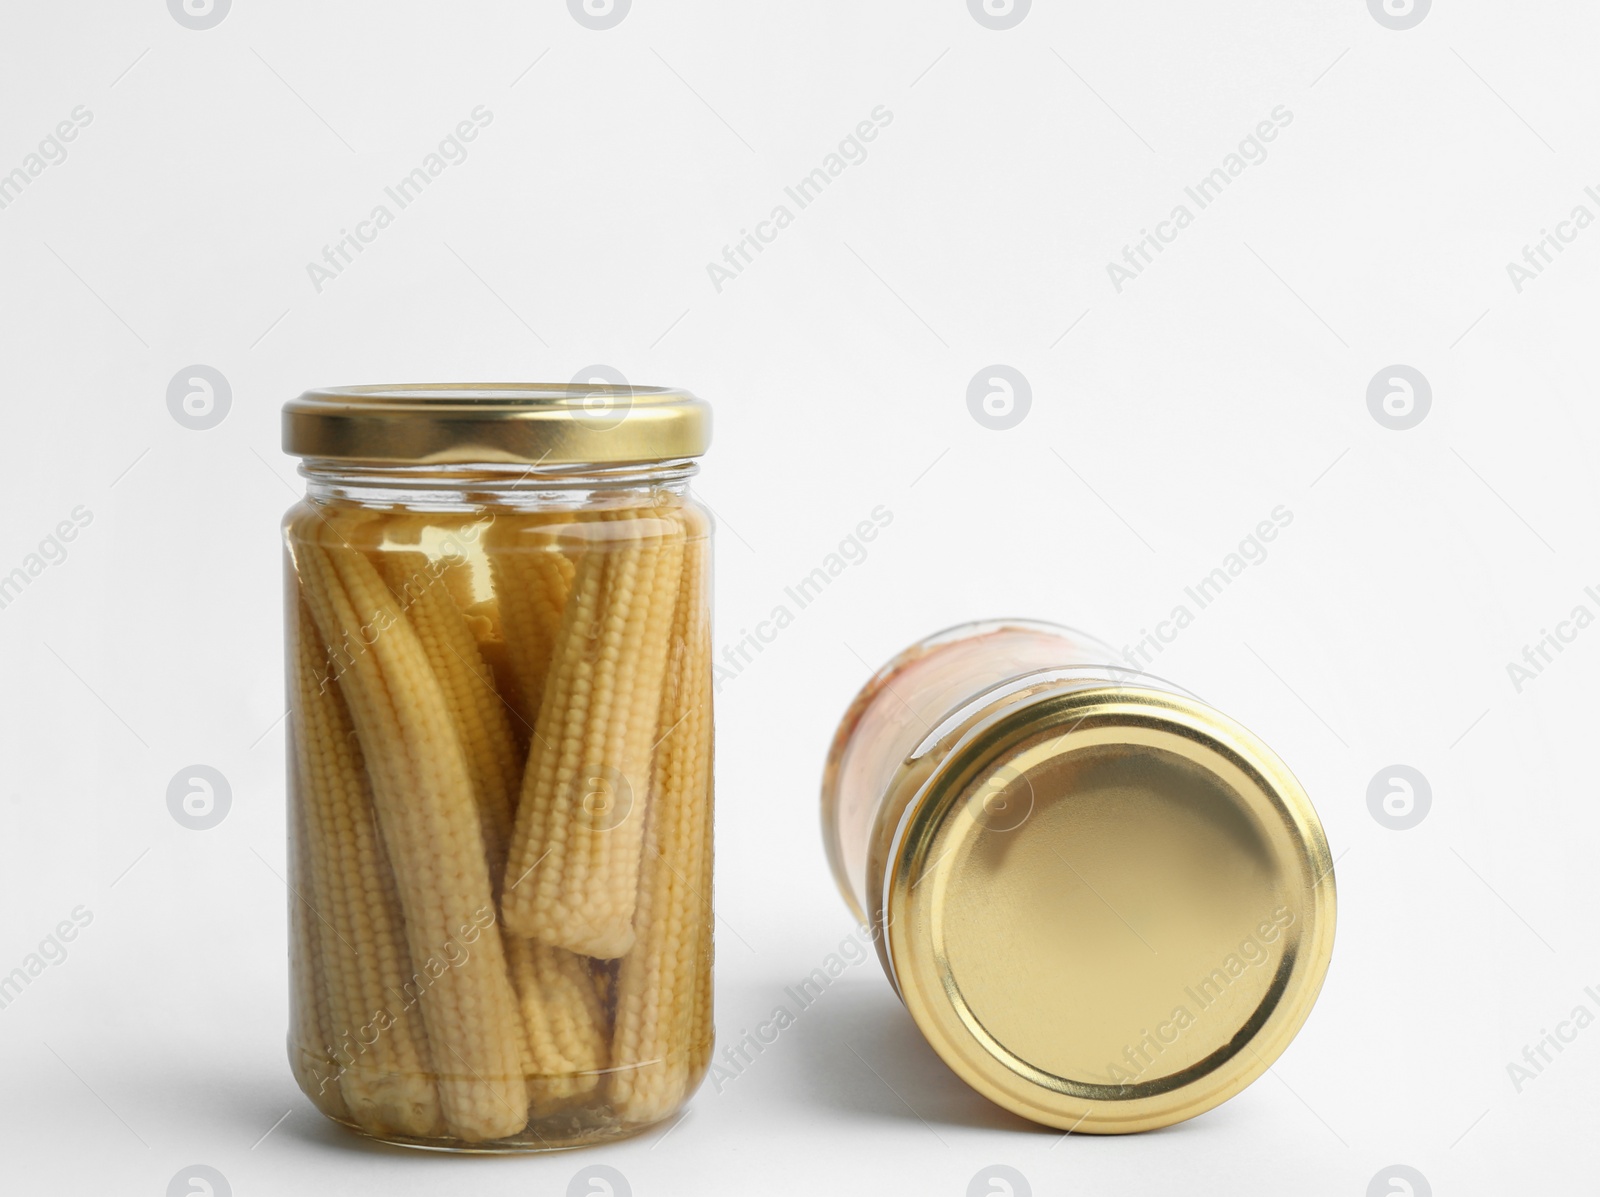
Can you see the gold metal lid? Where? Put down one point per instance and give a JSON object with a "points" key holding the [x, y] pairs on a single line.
{"points": [[519, 423], [1109, 908]]}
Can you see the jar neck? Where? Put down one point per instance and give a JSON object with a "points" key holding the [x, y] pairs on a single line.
{"points": [[487, 484]]}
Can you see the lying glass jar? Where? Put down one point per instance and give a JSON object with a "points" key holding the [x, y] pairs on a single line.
{"points": [[1107, 906], [499, 658]]}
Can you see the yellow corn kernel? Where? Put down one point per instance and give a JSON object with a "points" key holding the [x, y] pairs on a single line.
{"points": [[377, 1040], [663, 1021], [572, 875], [422, 791]]}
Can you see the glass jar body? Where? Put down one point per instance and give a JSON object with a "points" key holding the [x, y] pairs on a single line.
{"points": [[499, 800]]}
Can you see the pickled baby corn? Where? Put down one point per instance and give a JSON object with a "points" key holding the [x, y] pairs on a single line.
{"points": [[566, 1029], [476, 709], [564, 1019], [310, 1035], [532, 580], [423, 801], [572, 875], [662, 1028], [363, 963], [422, 791]]}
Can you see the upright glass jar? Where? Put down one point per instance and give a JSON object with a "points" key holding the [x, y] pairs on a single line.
{"points": [[1106, 905], [499, 657]]}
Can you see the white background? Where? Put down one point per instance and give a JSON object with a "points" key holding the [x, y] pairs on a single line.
{"points": [[1228, 378]]}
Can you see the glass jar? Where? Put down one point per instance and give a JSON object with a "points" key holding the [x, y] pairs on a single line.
{"points": [[499, 658], [1106, 905]]}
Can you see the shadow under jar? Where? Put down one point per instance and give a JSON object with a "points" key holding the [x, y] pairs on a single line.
{"points": [[498, 632], [1107, 906]]}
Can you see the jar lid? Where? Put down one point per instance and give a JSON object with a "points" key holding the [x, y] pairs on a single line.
{"points": [[1108, 908], [521, 423]]}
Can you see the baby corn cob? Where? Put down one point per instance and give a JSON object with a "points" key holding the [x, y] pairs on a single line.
{"points": [[572, 876], [700, 1036], [310, 1039], [703, 1034], [663, 1028], [563, 1021], [483, 618], [479, 715], [458, 574], [422, 791], [364, 962], [532, 579]]}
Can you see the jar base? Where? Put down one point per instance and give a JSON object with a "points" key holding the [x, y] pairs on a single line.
{"points": [[572, 1135]]}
